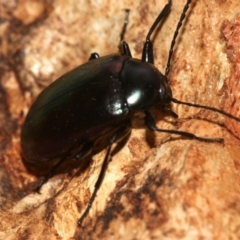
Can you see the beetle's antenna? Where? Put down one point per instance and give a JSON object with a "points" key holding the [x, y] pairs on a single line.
{"points": [[206, 107], [147, 53], [182, 17]]}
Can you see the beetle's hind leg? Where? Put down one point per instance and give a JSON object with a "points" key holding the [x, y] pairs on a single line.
{"points": [[85, 150], [117, 136], [150, 122]]}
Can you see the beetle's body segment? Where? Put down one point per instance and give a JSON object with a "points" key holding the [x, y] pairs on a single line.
{"points": [[86, 103]]}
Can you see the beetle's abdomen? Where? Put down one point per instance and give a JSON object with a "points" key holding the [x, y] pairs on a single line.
{"points": [[78, 107]]}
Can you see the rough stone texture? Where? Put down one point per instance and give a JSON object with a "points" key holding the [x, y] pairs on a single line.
{"points": [[231, 34], [158, 186]]}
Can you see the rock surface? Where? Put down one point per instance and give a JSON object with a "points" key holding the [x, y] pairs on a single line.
{"points": [[158, 186]]}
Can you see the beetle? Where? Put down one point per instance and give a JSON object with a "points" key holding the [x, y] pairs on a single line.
{"points": [[99, 98]]}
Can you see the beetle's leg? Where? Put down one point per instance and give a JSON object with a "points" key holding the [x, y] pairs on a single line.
{"points": [[50, 173], [85, 150], [121, 133], [124, 25], [147, 53], [150, 121], [94, 56], [123, 46], [125, 50]]}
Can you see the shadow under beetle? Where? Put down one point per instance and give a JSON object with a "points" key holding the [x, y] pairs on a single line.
{"points": [[98, 98]]}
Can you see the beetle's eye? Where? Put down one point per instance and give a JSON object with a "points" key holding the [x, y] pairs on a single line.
{"points": [[165, 92]]}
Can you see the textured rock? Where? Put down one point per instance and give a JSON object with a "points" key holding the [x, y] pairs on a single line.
{"points": [[158, 186]]}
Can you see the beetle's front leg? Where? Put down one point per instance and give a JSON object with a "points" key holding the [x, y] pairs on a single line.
{"points": [[150, 122]]}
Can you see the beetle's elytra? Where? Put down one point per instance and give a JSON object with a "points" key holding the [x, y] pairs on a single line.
{"points": [[100, 97]]}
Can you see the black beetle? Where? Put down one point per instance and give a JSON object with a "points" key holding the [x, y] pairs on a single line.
{"points": [[100, 98]]}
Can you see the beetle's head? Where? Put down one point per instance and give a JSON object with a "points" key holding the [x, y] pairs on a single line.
{"points": [[144, 85]]}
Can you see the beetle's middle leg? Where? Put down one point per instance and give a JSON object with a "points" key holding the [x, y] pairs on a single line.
{"points": [[117, 136]]}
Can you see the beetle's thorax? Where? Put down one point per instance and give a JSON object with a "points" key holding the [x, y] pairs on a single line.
{"points": [[144, 85]]}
